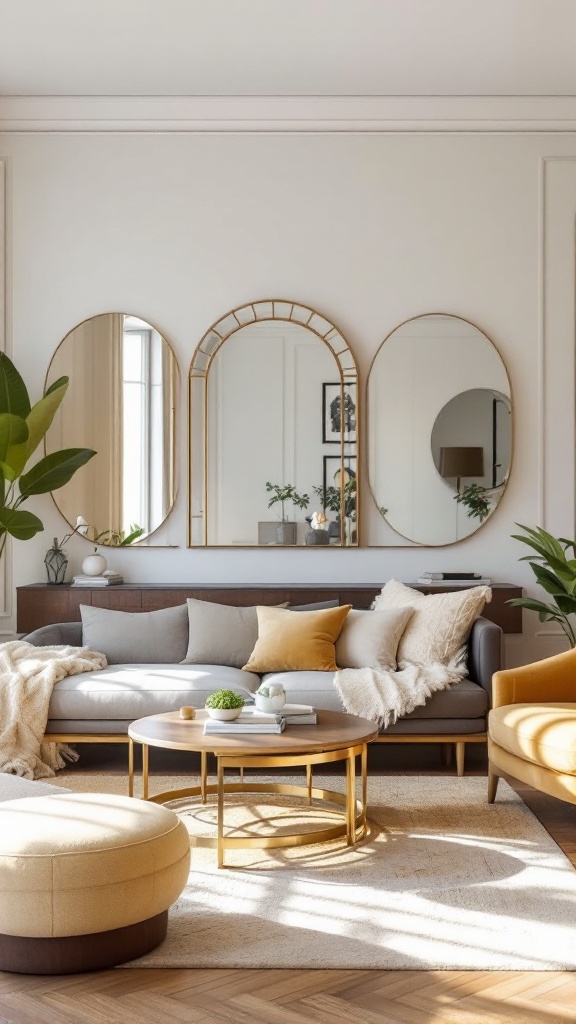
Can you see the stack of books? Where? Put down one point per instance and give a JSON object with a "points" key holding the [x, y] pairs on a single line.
{"points": [[107, 579], [254, 721], [455, 579], [246, 722]]}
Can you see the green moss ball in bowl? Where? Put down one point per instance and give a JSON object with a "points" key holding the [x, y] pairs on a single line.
{"points": [[224, 705]]}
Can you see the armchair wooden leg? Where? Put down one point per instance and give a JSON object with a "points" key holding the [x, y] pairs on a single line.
{"points": [[492, 784], [460, 751], [446, 754]]}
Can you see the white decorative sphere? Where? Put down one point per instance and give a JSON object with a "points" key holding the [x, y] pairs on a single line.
{"points": [[94, 565]]}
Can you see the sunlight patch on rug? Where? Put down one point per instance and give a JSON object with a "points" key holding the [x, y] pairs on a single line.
{"points": [[444, 881]]}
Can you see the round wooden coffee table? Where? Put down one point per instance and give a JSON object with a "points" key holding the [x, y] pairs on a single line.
{"points": [[336, 737]]}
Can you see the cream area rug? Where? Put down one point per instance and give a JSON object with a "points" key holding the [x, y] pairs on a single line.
{"points": [[444, 881]]}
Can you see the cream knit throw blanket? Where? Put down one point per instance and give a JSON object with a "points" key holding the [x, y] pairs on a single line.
{"points": [[383, 696], [27, 678]]}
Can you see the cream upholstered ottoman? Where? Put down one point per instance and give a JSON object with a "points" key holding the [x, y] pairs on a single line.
{"points": [[86, 880]]}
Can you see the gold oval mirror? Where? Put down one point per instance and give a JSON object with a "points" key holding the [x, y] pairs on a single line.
{"points": [[121, 401], [273, 424], [439, 432]]}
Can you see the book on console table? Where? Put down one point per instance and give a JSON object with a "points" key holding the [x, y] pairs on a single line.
{"points": [[451, 575], [470, 581], [107, 579]]}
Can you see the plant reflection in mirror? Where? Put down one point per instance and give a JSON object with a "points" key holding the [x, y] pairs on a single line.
{"points": [[286, 493], [475, 499]]}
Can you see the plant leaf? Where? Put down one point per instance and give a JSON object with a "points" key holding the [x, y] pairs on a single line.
{"points": [[41, 415], [13, 393], [20, 524], [132, 536], [54, 471], [13, 430], [57, 384]]}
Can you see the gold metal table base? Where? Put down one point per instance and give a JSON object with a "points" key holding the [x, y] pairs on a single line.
{"points": [[354, 826]]}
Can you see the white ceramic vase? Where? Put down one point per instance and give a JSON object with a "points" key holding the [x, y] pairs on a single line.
{"points": [[270, 704], [94, 565]]}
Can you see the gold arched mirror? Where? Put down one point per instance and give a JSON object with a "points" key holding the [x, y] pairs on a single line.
{"points": [[439, 432], [121, 401], [273, 423]]}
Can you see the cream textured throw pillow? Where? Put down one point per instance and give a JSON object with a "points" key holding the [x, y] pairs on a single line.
{"points": [[438, 630], [370, 639]]}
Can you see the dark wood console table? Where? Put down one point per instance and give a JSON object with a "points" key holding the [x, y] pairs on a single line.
{"points": [[39, 604]]}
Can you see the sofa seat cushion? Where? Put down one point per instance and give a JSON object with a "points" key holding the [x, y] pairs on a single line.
{"points": [[316, 688], [544, 734], [464, 700], [135, 691]]}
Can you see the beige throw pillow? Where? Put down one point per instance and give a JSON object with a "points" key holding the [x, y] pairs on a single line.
{"points": [[439, 628], [296, 641], [370, 639]]}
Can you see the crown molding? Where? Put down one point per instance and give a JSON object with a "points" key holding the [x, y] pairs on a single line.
{"points": [[288, 114]]}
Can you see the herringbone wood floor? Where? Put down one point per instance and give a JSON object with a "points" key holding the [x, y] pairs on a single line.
{"points": [[309, 997]]}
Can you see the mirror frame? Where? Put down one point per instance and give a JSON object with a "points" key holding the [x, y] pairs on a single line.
{"points": [[262, 310], [144, 542], [414, 543]]}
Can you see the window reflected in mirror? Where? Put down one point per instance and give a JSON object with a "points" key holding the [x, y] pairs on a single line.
{"points": [[273, 431], [121, 401], [439, 432]]}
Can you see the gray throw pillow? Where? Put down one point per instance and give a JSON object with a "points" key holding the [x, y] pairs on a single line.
{"points": [[137, 638], [220, 634]]}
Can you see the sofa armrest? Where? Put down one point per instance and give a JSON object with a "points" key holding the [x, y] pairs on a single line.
{"points": [[55, 635], [484, 653], [551, 679]]}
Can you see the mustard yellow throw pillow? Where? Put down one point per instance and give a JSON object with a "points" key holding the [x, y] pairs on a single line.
{"points": [[296, 641]]}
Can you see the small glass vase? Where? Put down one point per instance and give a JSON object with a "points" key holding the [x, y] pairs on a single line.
{"points": [[56, 562]]}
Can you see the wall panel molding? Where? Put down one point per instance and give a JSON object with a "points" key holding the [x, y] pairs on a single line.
{"points": [[557, 359], [6, 562], [288, 114]]}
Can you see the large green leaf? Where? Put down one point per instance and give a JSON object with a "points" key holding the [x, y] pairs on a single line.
{"points": [[41, 415], [13, 431], [13, 394], [20, 524], [54, 471]]}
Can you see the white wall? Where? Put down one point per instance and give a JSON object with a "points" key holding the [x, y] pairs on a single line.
{"points": [[370, 230]]}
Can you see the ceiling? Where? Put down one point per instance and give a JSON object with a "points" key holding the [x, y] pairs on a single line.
{"points": [[287, 47]]}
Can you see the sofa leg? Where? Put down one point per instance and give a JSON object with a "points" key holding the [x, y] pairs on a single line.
{"points": [[492, 784], [460, 751], [446, 754]]}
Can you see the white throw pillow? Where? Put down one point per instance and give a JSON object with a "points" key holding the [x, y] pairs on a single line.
{"points": [[438, 630], [370, 639]]}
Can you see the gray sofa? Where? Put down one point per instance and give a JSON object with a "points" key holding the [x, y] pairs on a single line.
{"points": [[103, 703]]}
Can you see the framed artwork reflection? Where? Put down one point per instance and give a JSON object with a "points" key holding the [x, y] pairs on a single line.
{"points": [[339, 406]]}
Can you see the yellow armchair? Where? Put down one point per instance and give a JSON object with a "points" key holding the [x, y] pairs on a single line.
{"points": [[532, 726]]}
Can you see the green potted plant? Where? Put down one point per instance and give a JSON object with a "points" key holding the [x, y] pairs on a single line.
{"points": [[554, 566], [224, 705], [286, 494], [22, 428]]}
